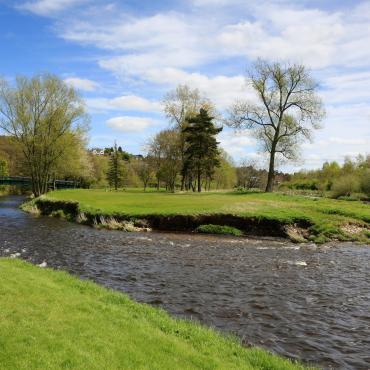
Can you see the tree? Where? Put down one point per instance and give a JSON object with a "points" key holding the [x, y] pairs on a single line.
{"points": [[115, 170], [179, 105], [165, 151], [225, 174], [144, 169], [201, 154], [38, 113], [287, 112], [3, 167]]}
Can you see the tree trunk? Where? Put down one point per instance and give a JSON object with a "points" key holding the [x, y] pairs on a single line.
{"points": [[271, 173], [199, 181]]}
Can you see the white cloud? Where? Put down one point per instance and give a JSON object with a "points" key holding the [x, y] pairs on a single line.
{"points": [[237, 144], [48, 7], [123, 103], [130, 124], [81, 83]]}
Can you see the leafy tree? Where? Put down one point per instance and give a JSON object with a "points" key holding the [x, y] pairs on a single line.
{"points": [[287, 112], [38, 113], [115, 170], [201, 154], [179, 105], [165, 151], [145, 171], [3, 167]]}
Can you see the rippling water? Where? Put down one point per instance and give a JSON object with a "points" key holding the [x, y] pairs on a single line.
{"points": [[306, 302]]}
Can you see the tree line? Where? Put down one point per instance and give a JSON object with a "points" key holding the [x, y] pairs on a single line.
{"points": [[47, 124]]}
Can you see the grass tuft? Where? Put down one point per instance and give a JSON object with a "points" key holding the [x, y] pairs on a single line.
{"points": [[218, 229]]}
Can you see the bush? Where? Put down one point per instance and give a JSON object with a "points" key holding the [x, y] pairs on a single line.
{"points": [[218, 229], [345, 186], [365, 182]]}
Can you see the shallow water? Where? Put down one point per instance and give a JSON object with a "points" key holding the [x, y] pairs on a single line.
{"points": [[306, 302]]}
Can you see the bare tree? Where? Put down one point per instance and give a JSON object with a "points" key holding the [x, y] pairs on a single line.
{"points": [[287, 112], [39, 113]]}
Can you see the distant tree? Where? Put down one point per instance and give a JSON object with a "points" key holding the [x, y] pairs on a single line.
{"points": [[225, 174], [201, 154], [164, 149], [39, 113], [3, 167], [288, 110], [179, 105], [145, 170], [115, 170], [248, 174]]}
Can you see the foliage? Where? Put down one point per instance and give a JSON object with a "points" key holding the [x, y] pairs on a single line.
{"points": [[39, 113], [179, 105], [218, 229], [3, 167], [115, 170], [347, 180], [165, 154], [287, 112], [56, 321], [345, 186], [201, 156]]}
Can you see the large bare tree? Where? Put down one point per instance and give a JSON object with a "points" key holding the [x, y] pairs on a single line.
{"points": [[40, 113], [287, 111]]}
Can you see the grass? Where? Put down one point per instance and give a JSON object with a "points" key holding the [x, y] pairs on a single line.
{"points": [[326, 215], [52, 320], [218, 229]]}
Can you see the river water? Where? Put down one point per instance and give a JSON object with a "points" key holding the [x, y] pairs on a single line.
{"points": [[302, 301]]}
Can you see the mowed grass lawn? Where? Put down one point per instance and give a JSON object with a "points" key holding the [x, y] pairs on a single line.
{"points": [[327, 215], [51, 320]]}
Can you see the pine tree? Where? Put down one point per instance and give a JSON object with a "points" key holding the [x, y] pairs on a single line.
{"points": [[115, 173], [202, 154]]}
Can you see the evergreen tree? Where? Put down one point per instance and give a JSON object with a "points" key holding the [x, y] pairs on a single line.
{"points": [[201, 154], [115, 173]]}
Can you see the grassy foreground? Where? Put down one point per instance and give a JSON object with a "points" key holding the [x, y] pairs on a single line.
{"points": [[51, 320], [330, 219]]}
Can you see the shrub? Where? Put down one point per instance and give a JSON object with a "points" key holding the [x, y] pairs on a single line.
{"points": [[218, 229], [365, 182], [345, 186]]}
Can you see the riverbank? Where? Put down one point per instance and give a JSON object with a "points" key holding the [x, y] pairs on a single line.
{"points": [[298, 218], [51, 320]]}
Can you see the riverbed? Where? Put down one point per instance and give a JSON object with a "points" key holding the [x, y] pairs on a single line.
{"points": [[305, 302]]}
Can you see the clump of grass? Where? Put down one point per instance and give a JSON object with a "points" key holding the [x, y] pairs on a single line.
{"points": [[219, 229], [111, 223], [30, 207]]}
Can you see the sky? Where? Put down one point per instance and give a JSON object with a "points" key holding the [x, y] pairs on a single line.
{"points": [[124, 55]]}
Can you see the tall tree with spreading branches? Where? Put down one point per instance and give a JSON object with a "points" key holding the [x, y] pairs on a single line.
{"points": [[40, 113], [287, 112]]}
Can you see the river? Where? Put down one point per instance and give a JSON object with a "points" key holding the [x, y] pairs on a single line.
{"points": [[305, 302]]}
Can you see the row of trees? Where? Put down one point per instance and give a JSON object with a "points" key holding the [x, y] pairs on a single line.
{"points": [[350, 179], [46, 121]]}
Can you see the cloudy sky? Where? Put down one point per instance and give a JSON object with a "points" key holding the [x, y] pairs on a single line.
{"points": [[124, 55]]}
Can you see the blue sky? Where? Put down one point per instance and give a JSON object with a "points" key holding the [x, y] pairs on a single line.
{"points": [[125, 55]]}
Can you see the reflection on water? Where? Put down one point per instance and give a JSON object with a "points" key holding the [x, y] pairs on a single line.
{"points": [[305, 302]]}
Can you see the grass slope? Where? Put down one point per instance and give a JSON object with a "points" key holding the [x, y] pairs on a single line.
{"points": [[51, 320], [326, 215]]}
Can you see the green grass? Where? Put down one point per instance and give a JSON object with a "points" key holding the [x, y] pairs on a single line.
{"points": [[326, 215], [218, 229], [51, 320]]}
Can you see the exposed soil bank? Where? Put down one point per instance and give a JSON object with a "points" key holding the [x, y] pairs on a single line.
{"points": [[256, 226]]}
